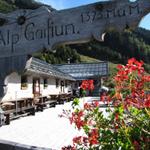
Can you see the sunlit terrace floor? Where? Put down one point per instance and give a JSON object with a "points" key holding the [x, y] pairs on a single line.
{"points": [[45, 129]]}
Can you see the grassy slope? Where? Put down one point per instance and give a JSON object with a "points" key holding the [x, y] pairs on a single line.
{"points": [[88, 59]]}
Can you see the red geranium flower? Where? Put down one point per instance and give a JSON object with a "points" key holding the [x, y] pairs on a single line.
{"points": [[87, 85], [93, 137], [87, 106]]}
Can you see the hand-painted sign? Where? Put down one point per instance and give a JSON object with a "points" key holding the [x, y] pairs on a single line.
{"points": [[26, 31]]}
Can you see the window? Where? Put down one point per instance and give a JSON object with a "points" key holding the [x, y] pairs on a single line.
{"points": [[36, 86], [57, 83], [62, 86], [24, 82], [45, 83], [66, 83], [62, 83]]}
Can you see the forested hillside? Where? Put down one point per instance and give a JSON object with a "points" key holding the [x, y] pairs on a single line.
{"points": [[6, 7], [62, 54], [116, 48]]}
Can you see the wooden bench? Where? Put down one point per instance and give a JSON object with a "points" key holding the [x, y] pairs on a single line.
{"points": [[46, 101], [51, 103], [39, 103], [54, 99], [61, 99], [39, 106], [70, 97], [13, 113], [64, 98], [20, 107]]}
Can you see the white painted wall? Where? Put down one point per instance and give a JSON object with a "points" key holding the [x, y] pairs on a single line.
{"points": [[13, 87], [14, 91], [52, 89]]}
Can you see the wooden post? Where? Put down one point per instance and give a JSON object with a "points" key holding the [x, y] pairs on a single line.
{"points": [[7, 122]]}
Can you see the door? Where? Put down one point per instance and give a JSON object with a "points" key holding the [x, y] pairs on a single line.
{"points": [[36, 87], [62, 87]]}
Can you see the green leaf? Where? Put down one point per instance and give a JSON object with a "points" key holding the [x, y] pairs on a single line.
{"points": [[76, 102], [120, 109], [84, 92], [86, 129]]}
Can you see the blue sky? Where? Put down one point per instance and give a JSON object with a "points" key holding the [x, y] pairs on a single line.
{"points": [[63, 4]]}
